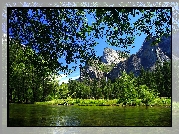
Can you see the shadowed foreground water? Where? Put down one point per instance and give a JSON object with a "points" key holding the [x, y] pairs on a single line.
{"points": [[54, 115]]}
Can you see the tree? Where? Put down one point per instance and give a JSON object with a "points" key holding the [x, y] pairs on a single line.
{"points": [[127, 88], [163, 79], [147, 95], [66, 32], [63, 91], [29, 80], [158, 80], [18, 72]]}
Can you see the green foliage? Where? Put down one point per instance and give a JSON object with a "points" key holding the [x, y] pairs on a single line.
{"points": [[63, 91], [158, 80], [127, 88], [146, 94], [105, 68], [30, 67], [29, 79], [67, 25], [104, 102]]}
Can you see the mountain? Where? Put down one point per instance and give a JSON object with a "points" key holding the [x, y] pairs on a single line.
{"points": [[99, 68], [111, 56], [146, 57]]}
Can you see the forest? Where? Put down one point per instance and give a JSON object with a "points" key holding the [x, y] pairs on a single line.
{"points": [[30, 81]]}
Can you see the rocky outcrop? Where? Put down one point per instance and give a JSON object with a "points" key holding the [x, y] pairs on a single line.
{"points": [[165, 46], [111, 56], [146, 57], [90, 72]]}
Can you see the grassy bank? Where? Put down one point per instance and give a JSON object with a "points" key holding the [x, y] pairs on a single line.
{"points": [[103, 102]]}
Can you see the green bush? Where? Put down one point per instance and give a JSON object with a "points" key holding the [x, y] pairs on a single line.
{"points": [[49, 98], [147, 95], [127, 90]]}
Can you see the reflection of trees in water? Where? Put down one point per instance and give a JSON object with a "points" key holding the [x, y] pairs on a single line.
{"points": [[65, 121]]}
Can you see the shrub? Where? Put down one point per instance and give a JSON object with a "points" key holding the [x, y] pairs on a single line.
{"points": [[127, 89], [147, 95]]}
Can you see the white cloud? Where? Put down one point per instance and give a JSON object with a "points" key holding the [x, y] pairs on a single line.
{"points": [[66, 79], [75, 77], [60, 77], [63, 80]]}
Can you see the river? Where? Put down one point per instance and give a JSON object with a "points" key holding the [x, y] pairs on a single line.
{"points": [[55, 115]]}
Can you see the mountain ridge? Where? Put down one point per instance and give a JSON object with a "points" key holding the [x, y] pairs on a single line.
{"points": [[146, 57]]}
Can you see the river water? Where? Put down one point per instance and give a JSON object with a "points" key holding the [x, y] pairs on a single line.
{"points": [[55, 115]]}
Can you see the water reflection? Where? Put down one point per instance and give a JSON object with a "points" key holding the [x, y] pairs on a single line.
{"points": [[64, 121], [34, 115]]}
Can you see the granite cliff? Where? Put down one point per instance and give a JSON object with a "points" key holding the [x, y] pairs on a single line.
{"points": [[111, 56], [146, 57], [99, 68]]}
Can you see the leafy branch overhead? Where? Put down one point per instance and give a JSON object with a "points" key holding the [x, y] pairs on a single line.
{"points": [[66, 33]]}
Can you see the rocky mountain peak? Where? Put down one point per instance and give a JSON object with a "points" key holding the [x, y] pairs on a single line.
{"points": [[111, 56], [146, 57]]}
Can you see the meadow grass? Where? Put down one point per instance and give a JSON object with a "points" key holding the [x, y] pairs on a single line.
{"points": [[106, 102]]}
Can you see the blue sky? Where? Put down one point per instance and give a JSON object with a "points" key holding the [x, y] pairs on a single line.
{"points": [[102, 44], [99, 52]]}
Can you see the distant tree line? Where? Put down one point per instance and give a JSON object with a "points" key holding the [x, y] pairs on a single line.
{"points": [[148, 85]]}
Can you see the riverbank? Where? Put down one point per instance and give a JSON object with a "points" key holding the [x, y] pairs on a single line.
{"points": [[105, 102]]}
